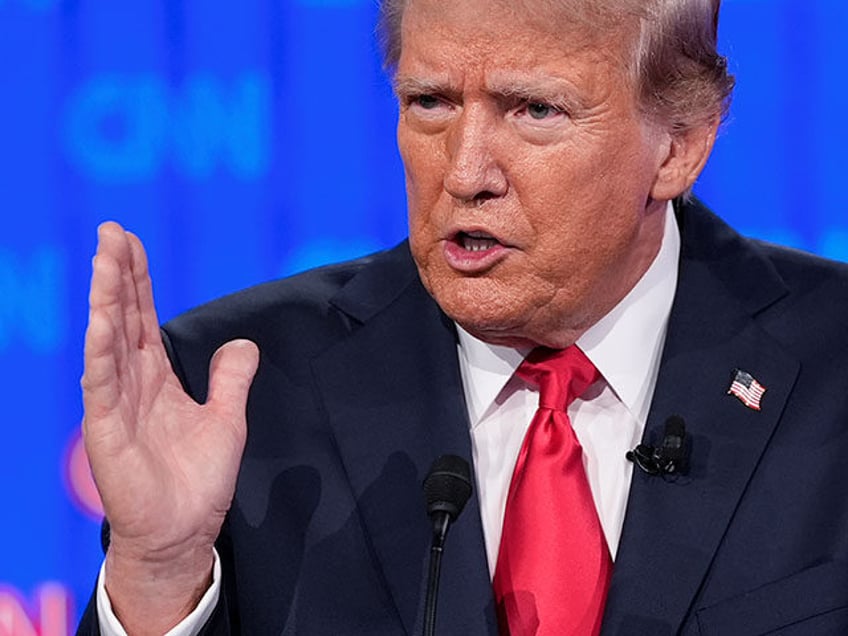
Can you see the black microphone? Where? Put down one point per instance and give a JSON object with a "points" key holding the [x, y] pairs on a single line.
{"points": [[446, 489], [669, 457]]}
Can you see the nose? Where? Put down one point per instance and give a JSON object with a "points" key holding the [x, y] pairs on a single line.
{"points": [[475, 173]]}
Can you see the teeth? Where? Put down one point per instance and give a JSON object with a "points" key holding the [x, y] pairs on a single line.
{"points": [[477, 243]]}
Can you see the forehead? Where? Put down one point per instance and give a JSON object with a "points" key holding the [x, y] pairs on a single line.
{"points": [[516, 46], [523, 34]]}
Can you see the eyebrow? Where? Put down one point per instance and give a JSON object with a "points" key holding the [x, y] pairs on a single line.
{"points": [[552, 90], [548, 89], [418, 86]]}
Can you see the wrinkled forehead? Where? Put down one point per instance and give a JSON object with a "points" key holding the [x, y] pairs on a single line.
{"points": [[505, 28], [608, 24]]}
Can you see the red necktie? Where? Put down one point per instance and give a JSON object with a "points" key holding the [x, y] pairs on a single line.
{"points": [[554, 565]]}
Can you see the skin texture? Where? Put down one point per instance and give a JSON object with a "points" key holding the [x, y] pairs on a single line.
{"points": [[515, 126], [165, 466]]}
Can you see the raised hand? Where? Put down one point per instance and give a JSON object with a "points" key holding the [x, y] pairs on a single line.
{"points": [[165, 466]]}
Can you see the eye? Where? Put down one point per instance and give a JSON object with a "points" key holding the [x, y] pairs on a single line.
{"points": [[540, 121], [427, 102], [540, 110]]}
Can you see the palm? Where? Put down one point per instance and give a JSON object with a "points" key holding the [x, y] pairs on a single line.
{"points": [[165, 466]]}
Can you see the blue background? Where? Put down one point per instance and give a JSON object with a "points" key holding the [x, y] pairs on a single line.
{"points": [[245, 141]]}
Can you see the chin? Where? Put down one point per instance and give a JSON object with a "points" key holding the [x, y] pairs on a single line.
{"points": [[487, 309], [520, 314], [471, 300]]}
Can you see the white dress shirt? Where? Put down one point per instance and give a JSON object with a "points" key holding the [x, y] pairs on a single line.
{"points": [[609, 419]]}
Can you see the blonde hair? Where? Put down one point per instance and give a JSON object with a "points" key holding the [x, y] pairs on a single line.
{"points": [[681, 79]]}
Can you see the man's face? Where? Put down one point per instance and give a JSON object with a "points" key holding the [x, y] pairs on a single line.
{"points": [[529, 168]]}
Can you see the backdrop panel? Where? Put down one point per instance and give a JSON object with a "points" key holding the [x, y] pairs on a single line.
{"points": [[245, 142]]}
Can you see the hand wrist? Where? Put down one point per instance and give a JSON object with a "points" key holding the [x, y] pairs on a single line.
{"points": [[151, 595]]}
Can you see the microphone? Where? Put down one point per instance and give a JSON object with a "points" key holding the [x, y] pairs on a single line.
{"points": [[669, 457], [447, 488]]}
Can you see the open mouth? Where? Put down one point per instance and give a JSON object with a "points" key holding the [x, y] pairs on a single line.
{"points": [[476, 241], [474, 251]]}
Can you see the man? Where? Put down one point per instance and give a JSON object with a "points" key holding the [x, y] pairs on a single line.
{"points": [[543, 143]]}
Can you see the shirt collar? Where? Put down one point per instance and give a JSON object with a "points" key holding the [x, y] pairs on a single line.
{"points": [[625, 345]]}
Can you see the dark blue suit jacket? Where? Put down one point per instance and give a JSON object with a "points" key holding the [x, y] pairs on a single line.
{"points": [[359, 390]]}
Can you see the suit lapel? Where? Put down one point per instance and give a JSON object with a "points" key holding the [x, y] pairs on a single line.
{"points": [[674, 526], [395, 408], [394, 401]]}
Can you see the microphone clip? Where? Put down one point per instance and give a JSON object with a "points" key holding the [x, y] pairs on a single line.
{"points": [[669, 457]]}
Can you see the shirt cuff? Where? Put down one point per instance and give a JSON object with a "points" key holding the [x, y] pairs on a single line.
{"points": [[189, 626]]}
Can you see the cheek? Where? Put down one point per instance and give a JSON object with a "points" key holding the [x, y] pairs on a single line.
{"points": [[422, 160], [556, 173], [592, 186], [424, 176], [585, 210]]}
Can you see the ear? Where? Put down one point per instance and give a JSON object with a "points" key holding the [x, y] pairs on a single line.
{"points": [[685, 157]]}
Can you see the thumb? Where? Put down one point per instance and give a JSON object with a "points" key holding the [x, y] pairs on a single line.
{"points": [[231, 372]]}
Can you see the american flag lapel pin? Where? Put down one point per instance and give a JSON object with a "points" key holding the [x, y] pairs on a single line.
{"points": [[747, 389]]}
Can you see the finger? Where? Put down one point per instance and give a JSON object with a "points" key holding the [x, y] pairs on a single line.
{"points": [[144, 292], [101, 388], [106, 268], [105, 306], [230, 374], [132, 312], [108, 293]]}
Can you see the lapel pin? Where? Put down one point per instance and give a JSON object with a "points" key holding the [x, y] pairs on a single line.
{"points": [[747, 389]]}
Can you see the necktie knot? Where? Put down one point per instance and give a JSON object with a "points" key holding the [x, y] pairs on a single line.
{"points": [[561, 375]]}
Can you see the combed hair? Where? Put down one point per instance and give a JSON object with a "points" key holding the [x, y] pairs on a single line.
{"points": [[681, 79]]}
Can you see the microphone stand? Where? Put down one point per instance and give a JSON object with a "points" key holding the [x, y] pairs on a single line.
{"points": [[440, 531]]}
